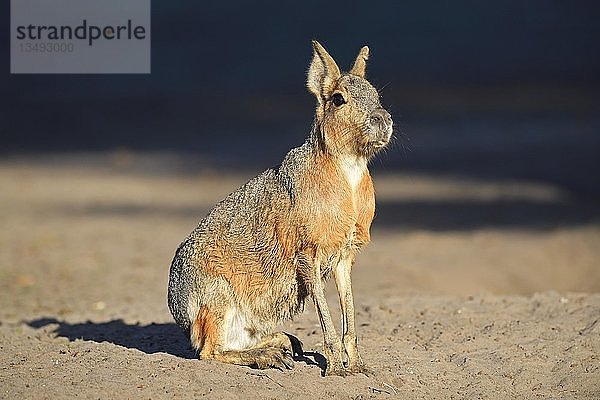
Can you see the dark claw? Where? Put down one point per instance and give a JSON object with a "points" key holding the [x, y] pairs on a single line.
{"points": [[282, 361]]}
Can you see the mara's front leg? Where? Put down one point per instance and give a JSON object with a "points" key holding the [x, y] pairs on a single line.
{"points": [[332, 345], [343, 281]]}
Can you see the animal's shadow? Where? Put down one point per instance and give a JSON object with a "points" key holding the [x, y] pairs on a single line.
{"points": [[150, 339], [308, 357]]}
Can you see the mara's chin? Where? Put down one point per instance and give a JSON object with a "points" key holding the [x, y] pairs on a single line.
{"points": [[371, 148]]}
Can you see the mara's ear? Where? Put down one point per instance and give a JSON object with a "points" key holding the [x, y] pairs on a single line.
{"points": [[322, 73], [360, 65]]}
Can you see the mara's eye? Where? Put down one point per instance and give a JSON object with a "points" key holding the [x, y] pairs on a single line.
{"points": [[338, 99]]}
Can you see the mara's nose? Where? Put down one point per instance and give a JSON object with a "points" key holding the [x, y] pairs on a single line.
{"points": [[381, 118]]}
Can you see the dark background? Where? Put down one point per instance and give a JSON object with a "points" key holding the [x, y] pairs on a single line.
{"points": [[505, 89]]}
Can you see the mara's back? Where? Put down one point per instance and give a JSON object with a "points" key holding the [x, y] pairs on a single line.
{"points": [[237, 253]]}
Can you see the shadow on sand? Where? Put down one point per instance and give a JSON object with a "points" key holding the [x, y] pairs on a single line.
{"points": [[150, 339]]}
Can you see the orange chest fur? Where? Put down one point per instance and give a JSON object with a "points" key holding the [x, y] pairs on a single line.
{"points": [[336, 212]]}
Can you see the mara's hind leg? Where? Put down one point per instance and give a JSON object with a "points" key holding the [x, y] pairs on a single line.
{"points": [[224, 337], [274, 351], [284, 341], [261, 358], [205, 331]]}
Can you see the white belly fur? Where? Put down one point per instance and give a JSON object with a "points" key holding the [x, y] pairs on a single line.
{"points": [[237, 336]]}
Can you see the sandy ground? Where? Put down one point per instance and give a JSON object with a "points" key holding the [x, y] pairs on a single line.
{"points": [[470, 289]]}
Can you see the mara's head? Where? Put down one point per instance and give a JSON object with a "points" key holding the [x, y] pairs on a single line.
{"points": [[349, 117]]}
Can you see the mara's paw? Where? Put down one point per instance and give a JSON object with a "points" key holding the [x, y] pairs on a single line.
{"points": [[272, 357], [336, 369], [284, 341], [281, 341]]}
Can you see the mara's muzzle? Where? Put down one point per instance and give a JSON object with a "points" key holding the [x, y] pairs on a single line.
{"points": [[380, 122]]}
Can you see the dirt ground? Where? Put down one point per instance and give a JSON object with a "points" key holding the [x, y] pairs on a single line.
{"points": [[470, 289]]}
